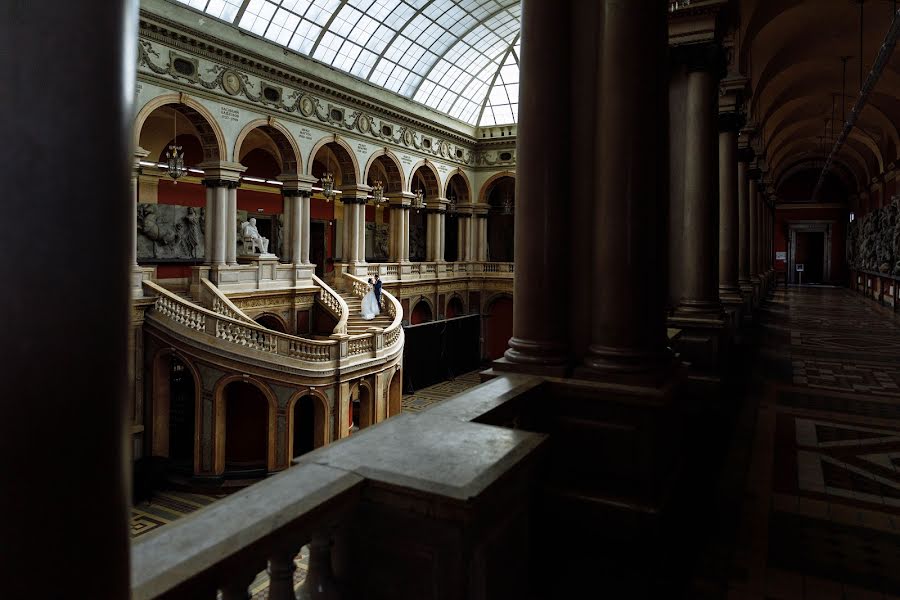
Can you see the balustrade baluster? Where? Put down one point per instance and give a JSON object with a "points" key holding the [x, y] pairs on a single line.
{"points": [[320, 583], [281, 576]]}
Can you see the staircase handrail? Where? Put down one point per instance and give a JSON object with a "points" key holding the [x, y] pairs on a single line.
{"points": [[389, 303], [250, 335], [222, 305], [334, 303]]}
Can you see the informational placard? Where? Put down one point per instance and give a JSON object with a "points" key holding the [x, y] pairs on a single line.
{"points": [[781, 256], [800, 267]]}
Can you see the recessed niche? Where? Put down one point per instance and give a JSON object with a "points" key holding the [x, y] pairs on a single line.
{"points": [[184, 67]]}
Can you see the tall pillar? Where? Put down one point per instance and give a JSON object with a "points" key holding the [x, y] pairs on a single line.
{"points": [[464, 225], [744, 227], [439, 227], [65, 406], [297, 190], [221, 179], [754, 238], [430, 238], [305, 226], [628, 330], [399, 229], [209, 218], [231, 231], [538, 340], [354, 198], [139, 155], [729, 292], [288, 204], [479, 237]]}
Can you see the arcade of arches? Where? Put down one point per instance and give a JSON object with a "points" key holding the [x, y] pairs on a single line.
{"points": [[678, 281]]}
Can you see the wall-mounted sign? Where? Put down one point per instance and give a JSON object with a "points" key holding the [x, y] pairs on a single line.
{"points": [[800, 267], [781, 256]]}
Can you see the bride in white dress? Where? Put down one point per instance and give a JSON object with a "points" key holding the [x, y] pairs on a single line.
{"points": [[370, 308]]}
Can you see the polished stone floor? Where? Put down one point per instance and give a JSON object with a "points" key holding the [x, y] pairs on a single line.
{"points": [[821, 510]]}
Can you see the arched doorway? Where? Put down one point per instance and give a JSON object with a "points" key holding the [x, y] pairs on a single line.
{"points": [[498, 325], [385, 170], [308, 424], [457, 194], [455, 307], [328, 227], [247, 430], [421, 313], [424, 179], [366, 406], [175, 398], [501, 196], [271, 322], [395, 394]]}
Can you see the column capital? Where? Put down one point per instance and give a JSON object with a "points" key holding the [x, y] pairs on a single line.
{"points": [[731, 121], [705, 56], [481, 210], [355, 193], [401, 201], [744, 155], [220, 173], [139, 155], [296, 185]]}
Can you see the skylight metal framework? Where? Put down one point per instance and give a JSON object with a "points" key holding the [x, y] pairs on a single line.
{"points": [[460, 57]]}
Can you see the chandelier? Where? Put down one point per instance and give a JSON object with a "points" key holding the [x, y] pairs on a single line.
{"points": [[327, 186], [451, 208], [507, 205], [678, 4], [378, 192], [419, 202], [175, 155]]}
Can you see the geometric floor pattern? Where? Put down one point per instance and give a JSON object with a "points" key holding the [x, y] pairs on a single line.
{"points": [[821, 518], [167, 506]]}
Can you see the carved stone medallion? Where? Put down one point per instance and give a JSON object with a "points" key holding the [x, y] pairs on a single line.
{"points": [[231, 82], [307, 108]]}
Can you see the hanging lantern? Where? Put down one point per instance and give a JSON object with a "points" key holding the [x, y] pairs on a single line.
{"points": [[327, 186], [378, 192], [419, 202], [507, 205], [451, 208], [175, 155]]}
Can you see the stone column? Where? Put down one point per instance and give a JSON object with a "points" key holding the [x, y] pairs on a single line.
{"points": [[464, 225], [754, 237], [744, 227], [139, 155], [729, 292], [430, 238], [700, 289], [221, 180], [628, 329], [305, 225], [399, 230], [354, 198], [440, 240], [231, 238], [65, 376], [286, 228], [297, 190], [479, 234]]}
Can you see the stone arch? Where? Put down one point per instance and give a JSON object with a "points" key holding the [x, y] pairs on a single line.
{"points": [[346, 158], [430, 176], [160, 398], [394, 393], [465, 179], [211, 136], [396, 182], [367, 414], [321, 430], [461, 302], [486, 186], [274, 317], [219, 417], [428, 304], [291, 161]]}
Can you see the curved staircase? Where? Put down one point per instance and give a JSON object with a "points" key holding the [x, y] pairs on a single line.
{"points": [[356, 325]]}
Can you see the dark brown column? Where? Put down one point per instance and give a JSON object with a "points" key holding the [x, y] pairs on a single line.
{"points": [[729, 292], [628, 324], [744, 225], [700, 227], [754, 232], [63, 414], [541, 254]]}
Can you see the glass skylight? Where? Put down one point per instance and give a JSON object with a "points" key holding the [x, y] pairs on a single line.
{"points": [[459, 57]]}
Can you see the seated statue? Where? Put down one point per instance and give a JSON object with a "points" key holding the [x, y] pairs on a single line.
{"points": [[252, 240]]}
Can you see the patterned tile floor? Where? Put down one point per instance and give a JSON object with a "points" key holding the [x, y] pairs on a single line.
{"points": [[821, 517], [167, 506]]}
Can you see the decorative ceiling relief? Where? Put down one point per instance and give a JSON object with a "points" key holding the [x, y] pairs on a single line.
{"points": [[234, 83]]}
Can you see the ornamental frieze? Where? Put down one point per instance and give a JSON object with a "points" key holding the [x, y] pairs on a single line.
{"points": [[234, 83], [270, 301]]}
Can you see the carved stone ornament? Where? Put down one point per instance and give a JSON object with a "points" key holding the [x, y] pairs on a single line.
{"points": [[873, 241], [231, 82], [307, 106]]}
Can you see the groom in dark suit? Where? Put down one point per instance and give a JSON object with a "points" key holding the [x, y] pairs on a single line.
{"points": [[377, 289]]}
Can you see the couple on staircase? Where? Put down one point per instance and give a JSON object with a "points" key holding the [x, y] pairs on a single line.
{"points": [[371, 302]]}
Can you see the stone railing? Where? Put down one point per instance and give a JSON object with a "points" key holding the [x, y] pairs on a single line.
{"points": [[448, 502], [417, 271], [281, 348], [212, 296], [333, 302]]}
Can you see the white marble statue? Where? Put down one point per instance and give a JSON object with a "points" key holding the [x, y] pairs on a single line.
{"points": [[253, 242]]}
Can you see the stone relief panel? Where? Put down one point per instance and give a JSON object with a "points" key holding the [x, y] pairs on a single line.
{"points": [[377, 235], [170, 232], [873, 241]]}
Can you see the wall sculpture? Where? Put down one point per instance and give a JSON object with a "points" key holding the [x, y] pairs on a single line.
{"points": [[873, 241], [170, 232]]}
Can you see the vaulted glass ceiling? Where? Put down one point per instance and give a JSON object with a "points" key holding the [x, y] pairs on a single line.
{"points": [[460, 57]]}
